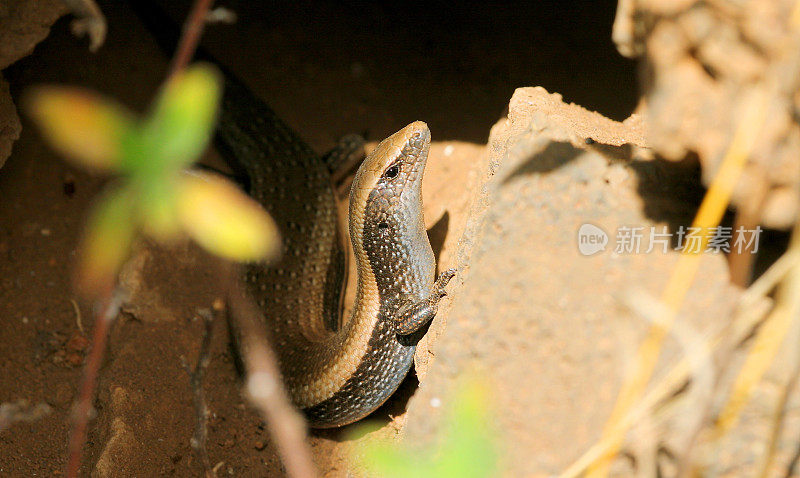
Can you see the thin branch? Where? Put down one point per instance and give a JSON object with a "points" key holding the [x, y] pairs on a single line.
{"points": [[196, 377], [192, 30], [264, 387], [83, 406]]}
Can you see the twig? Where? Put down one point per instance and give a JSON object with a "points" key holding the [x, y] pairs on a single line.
{"points": [[190, 36], [90, 20], [196, 377], [83, 406], [748, 217], [698, 354], [264, 387], [78, 319]]}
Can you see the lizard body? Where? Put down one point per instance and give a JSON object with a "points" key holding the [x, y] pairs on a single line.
{"points": [[336, 371]]}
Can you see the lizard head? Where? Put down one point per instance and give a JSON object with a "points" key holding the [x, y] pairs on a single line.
{"points": [[386, 224], [389, 182]]}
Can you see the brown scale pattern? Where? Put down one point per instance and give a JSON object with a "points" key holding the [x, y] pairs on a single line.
{"points": [[340, 376]]}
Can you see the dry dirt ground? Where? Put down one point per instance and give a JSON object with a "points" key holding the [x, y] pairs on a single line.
{"points": [[540, 321]]}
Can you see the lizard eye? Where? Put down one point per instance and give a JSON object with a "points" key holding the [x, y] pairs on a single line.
{"points": [[392, 172]]}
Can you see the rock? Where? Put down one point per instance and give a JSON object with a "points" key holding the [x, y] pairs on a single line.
{"points": [[117, 448], [543, 325], [23, 24], [10, 126]]}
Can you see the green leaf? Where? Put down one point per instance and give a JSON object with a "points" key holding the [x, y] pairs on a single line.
{"points": [[182, 120], [466, 449], [80, 124], [157, 197], [107, 242], [224, 220]]}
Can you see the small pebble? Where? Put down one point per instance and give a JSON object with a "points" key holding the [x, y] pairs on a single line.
{"points": [[75, 359], [77, 343]]}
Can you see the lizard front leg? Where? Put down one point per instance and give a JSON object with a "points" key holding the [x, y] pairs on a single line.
{"points": [[412, 315]]}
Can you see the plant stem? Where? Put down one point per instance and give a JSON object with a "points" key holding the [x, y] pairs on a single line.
{"points": [[192, 30], [83, 407], [263, 384]]}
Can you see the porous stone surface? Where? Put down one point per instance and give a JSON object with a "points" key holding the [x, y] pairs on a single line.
{"points": [[543, 327]]}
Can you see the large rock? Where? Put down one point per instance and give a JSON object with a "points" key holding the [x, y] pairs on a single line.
{"points": [[23, 24], [542, 324], [10, 127]]}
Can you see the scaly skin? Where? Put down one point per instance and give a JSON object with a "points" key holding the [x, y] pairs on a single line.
{"points": [[337, 373], [339, 377]]}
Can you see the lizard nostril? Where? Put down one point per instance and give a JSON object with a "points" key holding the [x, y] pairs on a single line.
{"points": [[383, 225]]}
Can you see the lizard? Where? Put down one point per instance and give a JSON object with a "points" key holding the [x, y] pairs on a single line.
{"points": [[335, 371]]}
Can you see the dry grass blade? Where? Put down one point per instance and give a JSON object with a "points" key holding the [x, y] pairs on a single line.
{"points": [[710, 213], [696, 364], [766, 344], [782, 407], [752, 308], [697, 352]]}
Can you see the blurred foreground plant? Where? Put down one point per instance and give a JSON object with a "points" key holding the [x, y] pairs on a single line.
{"points": [[155, 193], [466, 449]]}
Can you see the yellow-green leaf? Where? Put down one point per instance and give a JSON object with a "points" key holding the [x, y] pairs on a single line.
{"points": [[83, 126], [183, 116], [158, 209], [106, 243], [224, 220], [466, 447]]}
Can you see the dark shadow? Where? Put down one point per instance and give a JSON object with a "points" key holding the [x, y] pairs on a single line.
{"points": [[437, 234], [611, 152], [772, 244], [447, 60], [555, 155], [671, 191]]}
